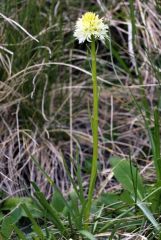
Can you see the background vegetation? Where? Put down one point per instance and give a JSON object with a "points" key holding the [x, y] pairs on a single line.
{"points": [[46, 138]]}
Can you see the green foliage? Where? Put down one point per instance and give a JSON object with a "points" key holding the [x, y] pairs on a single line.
{"points": [[128, 176], [7, 223], [156, 149], [87, 234], [130, 179], [57, 202], [36, 76], [13, 202], [35, 226], [50, 211]]}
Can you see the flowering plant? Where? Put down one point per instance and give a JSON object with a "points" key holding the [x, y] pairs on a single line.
{"points": [[90, 25], [91, 28]]}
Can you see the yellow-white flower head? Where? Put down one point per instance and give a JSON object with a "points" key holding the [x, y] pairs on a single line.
{"points": [[90, 25]]}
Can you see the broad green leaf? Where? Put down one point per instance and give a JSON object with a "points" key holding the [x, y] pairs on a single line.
{"points": [[12, 202], [57, 201], [8, 221], [128, 176], [126, 197], [108, 199]]}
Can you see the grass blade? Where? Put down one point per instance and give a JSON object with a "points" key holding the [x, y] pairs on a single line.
{"points": [[36, 228], [19, 233], [157, 157], [52, 213], [87, 234]]}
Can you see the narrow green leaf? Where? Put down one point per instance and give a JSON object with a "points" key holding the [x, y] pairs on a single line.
{"points": [[79, 178], [70, 177], [148, 214], [132, 18], [52, 184], [36, 228], [157, 157], [87, 234], [19, 233], [52, 213]]}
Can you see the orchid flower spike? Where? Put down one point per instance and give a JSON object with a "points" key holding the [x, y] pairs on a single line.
{"points": [[90, 25]]}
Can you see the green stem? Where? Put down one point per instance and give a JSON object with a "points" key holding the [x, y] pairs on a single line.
{"points": [[95, 134]]}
